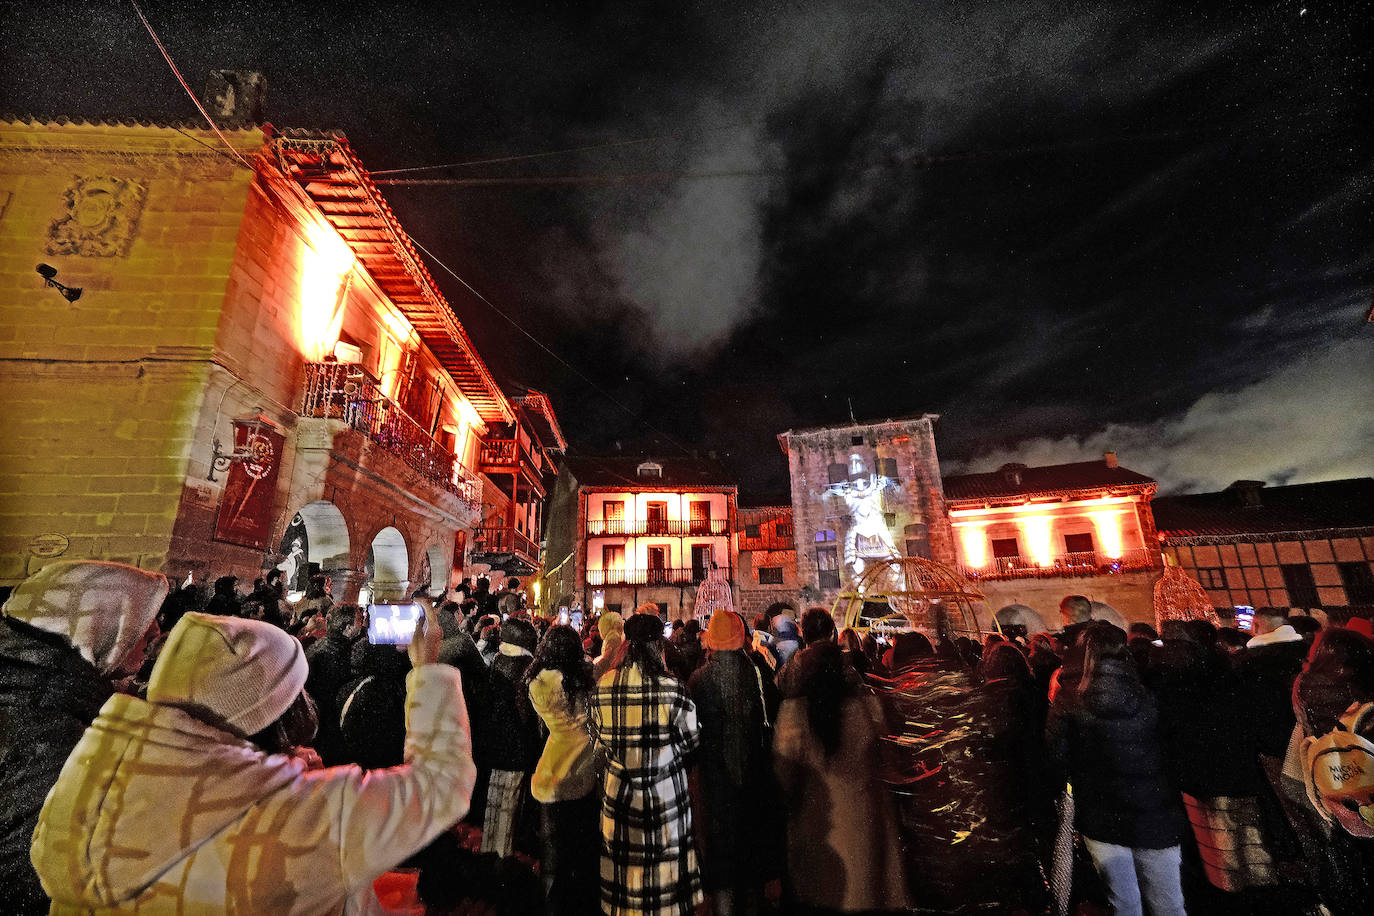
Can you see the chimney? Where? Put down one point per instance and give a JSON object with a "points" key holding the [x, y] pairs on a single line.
{"points": [[1248, 491], [1109, 458], [236, 98]]}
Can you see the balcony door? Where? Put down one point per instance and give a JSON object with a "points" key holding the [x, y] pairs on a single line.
{"points": [[658, 565], [613, 516], [701, 561], [613, 561], [656, 517], [700, 516]]}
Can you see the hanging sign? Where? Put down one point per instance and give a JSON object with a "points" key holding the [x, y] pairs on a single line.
{"points": [[246, 507]]}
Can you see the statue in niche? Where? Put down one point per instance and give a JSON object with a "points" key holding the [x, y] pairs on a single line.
{"points": [[100, 218]]}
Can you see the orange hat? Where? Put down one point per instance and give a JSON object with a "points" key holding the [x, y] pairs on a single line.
{"points": [[726, 632]]}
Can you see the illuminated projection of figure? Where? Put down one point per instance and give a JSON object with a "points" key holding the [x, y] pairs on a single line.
{"points": [[868, 537], [291, 567]]}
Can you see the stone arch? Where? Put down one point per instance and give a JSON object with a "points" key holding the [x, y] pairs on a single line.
{"points": [[388, 566], [1025, 616], [322, 533], [1110, 614], [438, 569]]}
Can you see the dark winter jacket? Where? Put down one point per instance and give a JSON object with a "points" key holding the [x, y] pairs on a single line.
{"points": [[372, 707], [49, 694], [512, 737], [1268, 672], [1107, 743], [741, 826], [1209, 739], [330, 669]]}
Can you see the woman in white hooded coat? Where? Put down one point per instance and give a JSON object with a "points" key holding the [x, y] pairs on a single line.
{"points": [[177, 805]]}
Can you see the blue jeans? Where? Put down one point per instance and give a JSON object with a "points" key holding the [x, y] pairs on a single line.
{"points": [[1133, 874]]}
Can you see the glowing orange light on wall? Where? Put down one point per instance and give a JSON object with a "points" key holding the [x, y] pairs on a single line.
{"points": [[1108, 525], [974, 540], [326, 263], [1038, 538]]}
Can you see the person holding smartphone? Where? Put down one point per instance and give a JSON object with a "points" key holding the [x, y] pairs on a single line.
{"points": [[196, 797]]}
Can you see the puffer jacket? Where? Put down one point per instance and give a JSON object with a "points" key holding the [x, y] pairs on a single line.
{"points": [[159, 812], [48, 695], [567, 767], [1107, 743], [786, 639]]}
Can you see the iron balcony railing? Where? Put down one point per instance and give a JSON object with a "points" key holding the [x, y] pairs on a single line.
{"points": [[597, 527], [337, 391], [1090, 563], [690, 575], [505, 539]]}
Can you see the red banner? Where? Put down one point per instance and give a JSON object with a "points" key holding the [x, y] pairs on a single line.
{"points": [[246, 507]]}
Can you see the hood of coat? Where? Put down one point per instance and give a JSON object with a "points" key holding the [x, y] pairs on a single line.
{"points": [[785, 627], [144, 789], [102, 609], [1116, 692]]}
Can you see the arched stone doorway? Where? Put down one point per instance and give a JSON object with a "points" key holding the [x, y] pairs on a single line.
{"points": [[317, 536], [388, 567], [1014, 615], [436, 562]]}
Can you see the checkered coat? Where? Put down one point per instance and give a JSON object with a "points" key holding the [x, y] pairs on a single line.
{"points": [[648, 731]]}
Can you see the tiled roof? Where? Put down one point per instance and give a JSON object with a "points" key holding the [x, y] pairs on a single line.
{"points": [[330, 174], [677, 472], [1018, 480], [1332, 504]]}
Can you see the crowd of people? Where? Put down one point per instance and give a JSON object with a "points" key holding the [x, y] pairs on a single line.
{"points": [[171, 749]]}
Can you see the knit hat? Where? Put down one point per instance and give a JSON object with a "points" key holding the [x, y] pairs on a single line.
{"points": [[234, 672], [644, 628], [726, 632], [103, 609], [609, 623]]}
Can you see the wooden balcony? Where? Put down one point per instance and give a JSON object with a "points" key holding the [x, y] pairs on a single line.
{"points": [[1063, 565], [492, 541], [337, 391], [507, 456], [767, 542], [701, 527], [691, 575]]}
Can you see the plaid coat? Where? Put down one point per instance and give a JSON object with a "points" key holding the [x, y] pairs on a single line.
{"points": [[647, 732]]}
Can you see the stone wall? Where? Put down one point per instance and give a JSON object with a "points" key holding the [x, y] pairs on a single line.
{"points": [[914, 498], [102, 394], [1131, 593]]}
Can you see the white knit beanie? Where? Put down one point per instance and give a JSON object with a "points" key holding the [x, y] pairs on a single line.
{"points": [[243, 673]]}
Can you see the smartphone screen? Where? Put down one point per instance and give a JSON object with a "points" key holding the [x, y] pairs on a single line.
{"points": [[392, 624]]}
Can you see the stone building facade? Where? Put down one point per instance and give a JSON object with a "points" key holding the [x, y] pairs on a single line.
{"points": [[861, 493], [1028, 536], [271, 310], [767, 558]]}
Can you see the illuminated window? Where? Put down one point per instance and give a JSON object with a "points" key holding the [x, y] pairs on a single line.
{"points": [[649, 469], [613, 557], [1212, 577], [656, 515], [1078, 543], [700, 515], [770, 575], [825, 534], [613, 514]]}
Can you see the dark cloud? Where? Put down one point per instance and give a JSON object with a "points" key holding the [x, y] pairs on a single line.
{"points": [[1053, 224]]}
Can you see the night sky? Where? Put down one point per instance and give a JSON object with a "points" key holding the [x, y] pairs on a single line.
{"points": [[1064, 227]]}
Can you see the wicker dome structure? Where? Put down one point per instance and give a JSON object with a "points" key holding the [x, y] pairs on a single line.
{"points": [[900, 594], [1179, 596]]}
